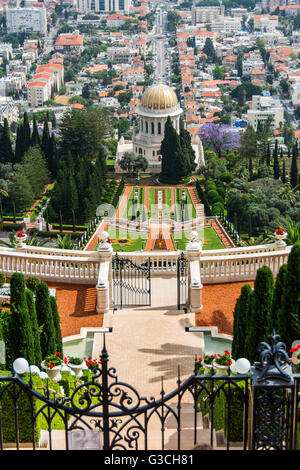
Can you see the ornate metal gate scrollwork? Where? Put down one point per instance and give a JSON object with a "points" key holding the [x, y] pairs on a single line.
{"points": [[131, 283], [182, 281], [125, 419]]}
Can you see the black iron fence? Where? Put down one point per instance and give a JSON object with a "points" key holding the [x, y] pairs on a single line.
{"points": [[255, 410]]}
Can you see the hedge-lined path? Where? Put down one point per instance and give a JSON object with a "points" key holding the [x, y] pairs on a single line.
{"points": [[123, 202], [92, 243], [199, 207], [221, 233]]}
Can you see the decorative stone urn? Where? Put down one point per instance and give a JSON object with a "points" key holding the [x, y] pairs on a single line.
{"points": [[54, 373], [194, 244], [104, 243], [20, 237], [222, 370], [280, 236], [77, 369]]}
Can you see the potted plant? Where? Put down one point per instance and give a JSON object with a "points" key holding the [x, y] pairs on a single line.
{"points": [[20, 237], [222, 361], [208, 362], [295, 359], [199, 368], [280, 236], [76, 364], [92, 364], [52, 364]]}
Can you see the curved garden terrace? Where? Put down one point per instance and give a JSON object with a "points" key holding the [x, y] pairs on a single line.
{"points": [[155, 218]]}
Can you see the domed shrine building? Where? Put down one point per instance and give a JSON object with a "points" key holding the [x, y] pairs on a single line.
{"points": [[157, 103]]}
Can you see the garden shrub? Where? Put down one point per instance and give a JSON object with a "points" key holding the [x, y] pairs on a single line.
{"points": [[32, 282], [2, 279], [24, 411], [236, 415]]}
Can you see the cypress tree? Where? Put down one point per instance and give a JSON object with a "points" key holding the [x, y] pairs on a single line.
{"points": [[173, 164], [56, 320], [240, 322], [291, 300], [268, 162], [45, 320], [35, 138], [294, 168], [20, 144], [275, 165], [283, 177], [35, 327], [187, 151], [27, 132], [45, 137], [278, 317], [21, 334], [260, 311], [6, 152]]}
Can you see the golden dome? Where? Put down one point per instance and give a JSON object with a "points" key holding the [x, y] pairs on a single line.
{"points": [[160, 97]]}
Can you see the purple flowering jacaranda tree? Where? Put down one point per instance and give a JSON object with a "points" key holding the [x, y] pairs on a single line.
{"points": [[219, 137]]}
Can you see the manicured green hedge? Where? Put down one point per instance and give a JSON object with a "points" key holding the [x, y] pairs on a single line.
{"points": [[54, 234], [78, 228], [220, 409], [68, 383], [12, 227]]}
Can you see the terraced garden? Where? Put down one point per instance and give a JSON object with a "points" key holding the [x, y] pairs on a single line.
{"points": [[155, 209]]}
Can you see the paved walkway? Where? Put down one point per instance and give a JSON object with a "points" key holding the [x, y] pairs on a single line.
{"points": [[148, 343]]}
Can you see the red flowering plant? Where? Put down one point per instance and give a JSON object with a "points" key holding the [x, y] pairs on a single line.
{"points": [[223, 359], [295, 359], [198, 364], [280, 231], [208, 358], [20, 234], [53, 360], [92, 364]]}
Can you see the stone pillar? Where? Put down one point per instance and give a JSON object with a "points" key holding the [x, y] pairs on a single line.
{"points": [[193, 252], [105, 251]]}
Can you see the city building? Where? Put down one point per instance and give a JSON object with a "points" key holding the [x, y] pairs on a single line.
{"points": [[85, 6], [207, 15], [226, 25], [67, 43], [263, 108], [30, 20], [8, 110]]}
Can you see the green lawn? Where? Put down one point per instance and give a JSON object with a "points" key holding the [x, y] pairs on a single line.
{"points": [[153, 211], [128, 241], [211, 240]]}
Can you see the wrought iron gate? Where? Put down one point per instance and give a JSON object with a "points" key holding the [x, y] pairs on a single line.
{"points": [[131, 284], [182, 281], [128, 421]]}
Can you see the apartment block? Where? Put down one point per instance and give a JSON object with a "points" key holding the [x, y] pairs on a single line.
{"points": [[30, 20], [264, 107]]}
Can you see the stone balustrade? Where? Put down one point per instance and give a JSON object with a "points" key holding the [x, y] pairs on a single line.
{"points": [[51, 267]]}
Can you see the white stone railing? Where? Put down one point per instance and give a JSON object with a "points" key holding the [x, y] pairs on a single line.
{"points": [[51, 267], [240, 267], [217, 266], [161, 262], [226, 265]]}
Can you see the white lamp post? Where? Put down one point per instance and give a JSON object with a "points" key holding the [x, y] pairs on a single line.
{"points": [[20, 366], [241, 366]]}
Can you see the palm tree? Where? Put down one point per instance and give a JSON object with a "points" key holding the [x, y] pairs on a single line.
{"points": [[293, 231], [65, 242], [287, 193], [252, 241]]}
